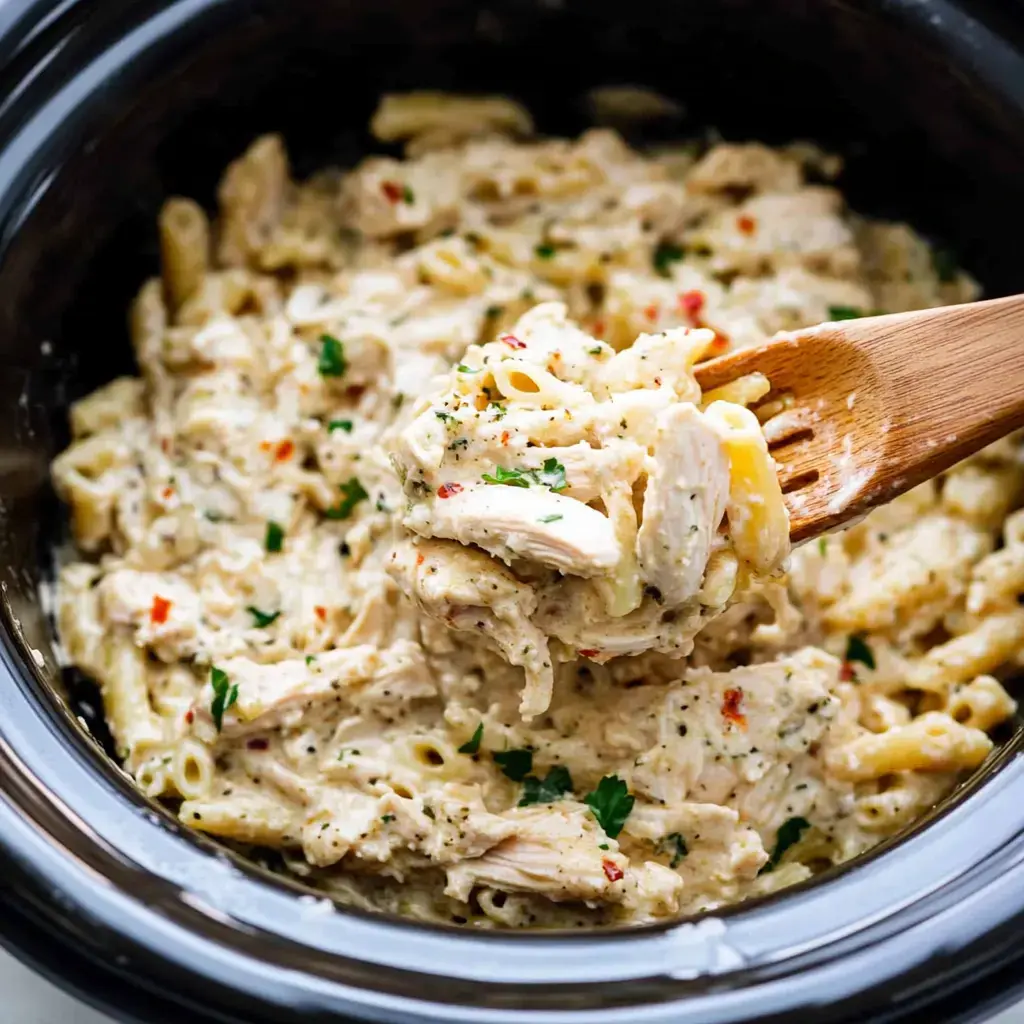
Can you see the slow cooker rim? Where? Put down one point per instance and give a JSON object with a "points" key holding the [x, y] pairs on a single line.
{"points": [[34, 841]]}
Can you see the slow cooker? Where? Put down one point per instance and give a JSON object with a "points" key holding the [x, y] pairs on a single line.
{"points": [[106, 108]]}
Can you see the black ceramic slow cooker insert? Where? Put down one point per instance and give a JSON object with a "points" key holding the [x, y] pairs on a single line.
{"points": [[107, 107]]}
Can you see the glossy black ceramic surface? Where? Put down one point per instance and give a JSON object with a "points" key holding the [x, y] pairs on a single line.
{"points": [[105, 108]]}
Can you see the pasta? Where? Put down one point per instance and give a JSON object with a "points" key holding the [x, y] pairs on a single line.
{"points": [[415, 553]]}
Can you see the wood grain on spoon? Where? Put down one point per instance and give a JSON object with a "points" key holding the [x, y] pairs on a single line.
{"points": [[877, 405]]}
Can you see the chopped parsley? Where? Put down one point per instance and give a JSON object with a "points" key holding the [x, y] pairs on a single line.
{"points": [[789, 834], [334, 425], [554, 786], [332, 357], [387, 817], [262, 619], [472, 745], [274, 538], [664, 256], [516, 764], [310, 658], [611, 803], [822, 545], [224, 695], [858, 650], [550, 475], [347, 750], [596, 350], [945, 264], [545, 250], [444, 417], [463, 368], [408, 196], [675, 844], [844, 313], [499, 409], [550, 519], [459, 442], [352, 493]]}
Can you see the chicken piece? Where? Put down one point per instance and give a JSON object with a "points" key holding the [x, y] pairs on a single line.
{"points": [[164, 610], [555, 852], [363, 675], [472, 592], [730, 166], [687, 489], [528, 522]]}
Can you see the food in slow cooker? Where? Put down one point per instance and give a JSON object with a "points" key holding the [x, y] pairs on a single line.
{"points": [[371, 576]]}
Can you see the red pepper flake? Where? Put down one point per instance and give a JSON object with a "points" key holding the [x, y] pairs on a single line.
{"points": [[257, 743], [731, 700], [393, 192], [355, 392], [847, 673], [512, 341], [721, 341], [420, 558], [651, 312], [190, 716], [167, 493], [447, 490], [265, 446], [161, 607], [321, 611], [589, 652], [657, 382], [284, 452], [165, 444], [505, 436], [612, 871], [598, 328], [691, 303], [746, 224]]}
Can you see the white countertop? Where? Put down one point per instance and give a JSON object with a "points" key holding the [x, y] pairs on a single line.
{"points": [[30, 1000]]}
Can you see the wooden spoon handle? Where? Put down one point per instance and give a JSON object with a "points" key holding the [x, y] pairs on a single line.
{"points": [[952, 380]]}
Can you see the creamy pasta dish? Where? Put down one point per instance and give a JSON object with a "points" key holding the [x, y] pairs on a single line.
{"points": [[416, 554]]}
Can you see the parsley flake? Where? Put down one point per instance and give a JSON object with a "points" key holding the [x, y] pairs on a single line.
{"points": [[444, 417], [844, 313], [262, 619], [408, 196], [387, 817], [334, 425], [515, 764], [224, 695], [550, 475], [550, 519], [553, 787], [675, 844], [545, 250], [664, 256], [332, 357], [611, 803], [472, 745], [463, 368], [274, 538], [352, 493], [790, 833], [858, 650]]}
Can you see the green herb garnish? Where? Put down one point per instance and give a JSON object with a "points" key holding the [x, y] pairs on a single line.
{"points": [[444, 417], [944, 262], [334, 425], [387, 817], [844, 313], [463, 368], [550, 519], [332, 357], [545, 250], [554, 786], [224, 695], [352, 493], [274, 538], [664, 256], [408, 195], [675, 844], [611, 803], [858, 650], [550, 475], [472, 745], [516, 764], [789, 834], [263, 619], [822, 545]]}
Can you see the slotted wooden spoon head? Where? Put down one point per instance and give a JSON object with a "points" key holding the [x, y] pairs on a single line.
{"points": [[862, 410], [823, 421]]}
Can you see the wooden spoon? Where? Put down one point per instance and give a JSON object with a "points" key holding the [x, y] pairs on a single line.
{"points": [[874, 406]]}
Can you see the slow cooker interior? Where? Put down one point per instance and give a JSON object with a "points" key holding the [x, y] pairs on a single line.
{"points": [[924, 142]]}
